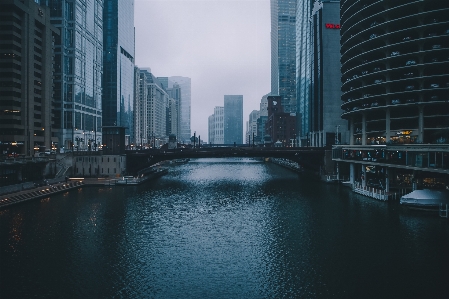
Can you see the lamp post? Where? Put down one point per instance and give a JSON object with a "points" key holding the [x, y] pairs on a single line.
{"points": [[336, 136]]}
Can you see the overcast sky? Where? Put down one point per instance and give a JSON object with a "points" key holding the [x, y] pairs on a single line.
{"points": [[222, 45]]}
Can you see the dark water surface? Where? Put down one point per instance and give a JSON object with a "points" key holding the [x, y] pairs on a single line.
{"points": [[222, 228]]}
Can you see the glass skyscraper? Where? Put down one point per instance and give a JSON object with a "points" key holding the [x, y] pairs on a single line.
{"points": [[118, 71], [233, 119], [78, 71], [303, 69], [283, 52], [185, 85]]}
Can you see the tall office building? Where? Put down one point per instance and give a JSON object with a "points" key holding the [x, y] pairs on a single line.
{"points": [[185, 110], [26, 77], [251, 131], [118, 61], [210, 129], [78, 71], [325, 102], [155, 100], [233, 119], [303, 69], [218, 125], [283, 52]]}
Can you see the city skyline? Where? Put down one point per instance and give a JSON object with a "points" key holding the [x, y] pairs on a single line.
{"points": [[223, 46]]}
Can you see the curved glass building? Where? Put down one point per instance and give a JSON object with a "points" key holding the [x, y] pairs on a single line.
{"points": [[395, 71]]}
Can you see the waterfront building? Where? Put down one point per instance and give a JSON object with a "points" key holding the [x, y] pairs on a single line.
{"points": [[395, 75], [325, 103], [218, 125], [118, 66], [280, 125], [78, 65], [233, 119], [184, 107], [283, 52], [141, 107], [26, 78]]}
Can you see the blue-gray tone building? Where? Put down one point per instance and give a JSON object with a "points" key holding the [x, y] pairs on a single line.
{"points": [[118, 65], [325, 97], [184, 107], [283, 52], [303, 70], [233, 119], [78, 66]]}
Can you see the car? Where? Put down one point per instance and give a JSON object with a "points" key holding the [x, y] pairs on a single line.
{"points": [[406, 38], [366, 95], [395, 53], [378, 81], [409, 87], [410, 62], [436, 47], [373, 24], [408, 75], [434, 85], [373, 35], [395, 101], [13, 155], [374, 104], [355, 77], [431, 34], [364, 72], [365, 105], [410, 100], [376, 69], [47, 152], [434, 98], [355, 108]]}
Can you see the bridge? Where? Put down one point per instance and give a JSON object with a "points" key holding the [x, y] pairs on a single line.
{"points": [[308, 157]]}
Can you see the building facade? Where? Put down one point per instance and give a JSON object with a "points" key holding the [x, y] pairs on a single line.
{"points": [[78, 72], [325, 98], [283, 52], [280, 125], [118, 66], [251, 132], [303, 69], [26, 78], [184, 107], [233, 119], [218, 125], [395, 74]]}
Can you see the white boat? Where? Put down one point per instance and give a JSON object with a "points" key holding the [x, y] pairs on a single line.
{"points": [[426, 198]]}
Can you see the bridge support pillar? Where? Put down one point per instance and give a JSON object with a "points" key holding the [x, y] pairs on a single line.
{"points": [[387, 180], [363, 176], [351, 173]]}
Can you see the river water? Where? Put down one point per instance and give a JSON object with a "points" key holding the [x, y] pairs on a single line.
{"points": [[221, 228]]}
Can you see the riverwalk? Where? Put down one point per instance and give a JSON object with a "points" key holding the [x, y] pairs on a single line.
{"points": [[19, 196]]}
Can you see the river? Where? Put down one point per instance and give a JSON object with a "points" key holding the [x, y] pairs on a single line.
{"points": [[221, 228]]}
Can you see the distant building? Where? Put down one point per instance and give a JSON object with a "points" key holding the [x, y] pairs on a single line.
{"points": [[218, 125], [251, 132], [118, 65], [155, 100], [280, 125], [185, 107], [26, 72], [233, 119], [211, 129]]}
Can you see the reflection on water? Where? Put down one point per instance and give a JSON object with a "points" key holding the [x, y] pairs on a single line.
{"points": [[221, 228]]}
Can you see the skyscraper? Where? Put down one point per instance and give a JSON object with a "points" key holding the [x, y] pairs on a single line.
{"points": [[26, 77], [185, 85], [218, 125], [303, 69], [233, 119], [78, 71], [118, 71], [283, 52]]}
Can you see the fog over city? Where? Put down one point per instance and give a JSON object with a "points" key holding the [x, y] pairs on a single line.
{"points": [[222, 45]]}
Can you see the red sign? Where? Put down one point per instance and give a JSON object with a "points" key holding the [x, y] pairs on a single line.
{"points": [[332, 26]]}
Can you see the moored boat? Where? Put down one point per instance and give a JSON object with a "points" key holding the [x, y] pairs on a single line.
{"points": [[425, 198]]}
